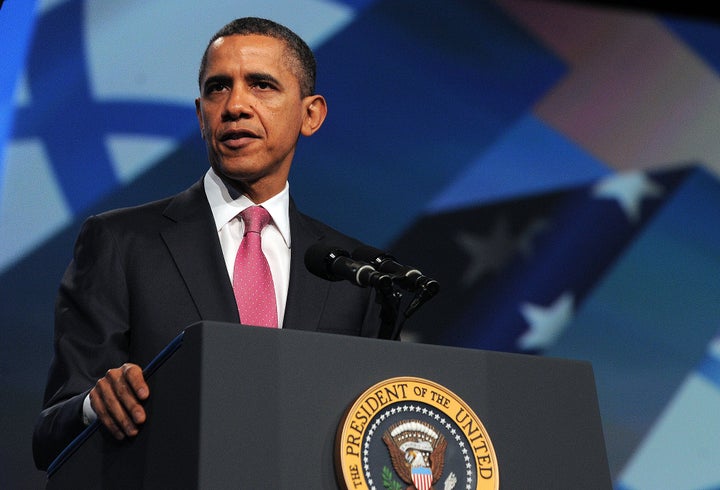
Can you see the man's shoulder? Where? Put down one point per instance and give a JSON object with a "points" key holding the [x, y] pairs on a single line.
{"points": [[320, 230], [153, 212]]}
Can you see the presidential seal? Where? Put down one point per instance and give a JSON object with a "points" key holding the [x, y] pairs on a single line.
{"points": [[409, 433]]}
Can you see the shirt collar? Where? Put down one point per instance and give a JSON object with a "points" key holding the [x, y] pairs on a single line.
{"points": [[226, 205]]}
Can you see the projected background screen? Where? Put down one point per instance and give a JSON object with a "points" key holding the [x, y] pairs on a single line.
{"points": [[553, 165]]}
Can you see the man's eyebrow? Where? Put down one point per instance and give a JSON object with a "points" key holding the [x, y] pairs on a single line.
{"points": [[262, 77]]}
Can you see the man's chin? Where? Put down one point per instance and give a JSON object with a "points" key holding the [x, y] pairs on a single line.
{"points": [[232, 170]]}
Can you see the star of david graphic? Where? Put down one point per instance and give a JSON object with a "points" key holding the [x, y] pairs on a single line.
{"points": [[71, 124]]}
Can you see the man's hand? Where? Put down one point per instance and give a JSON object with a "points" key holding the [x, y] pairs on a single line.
{"points": [[117, 397]]}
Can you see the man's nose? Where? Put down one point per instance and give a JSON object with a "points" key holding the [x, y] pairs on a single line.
{"points": [[238, 105]]}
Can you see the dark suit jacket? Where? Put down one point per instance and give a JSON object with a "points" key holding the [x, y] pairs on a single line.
{"points": [[140, 275]]}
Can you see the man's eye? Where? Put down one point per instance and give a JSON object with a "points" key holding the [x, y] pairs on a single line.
{"points": [[214, 87], [264, 85]]}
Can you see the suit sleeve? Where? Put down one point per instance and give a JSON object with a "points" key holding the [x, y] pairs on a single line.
{"points": [[91, 316]]}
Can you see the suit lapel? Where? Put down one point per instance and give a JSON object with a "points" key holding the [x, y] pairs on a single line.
{"points": [[306, 295], [192, 240]]}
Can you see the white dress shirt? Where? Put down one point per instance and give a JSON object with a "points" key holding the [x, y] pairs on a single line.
{"points": [[226, 205]]}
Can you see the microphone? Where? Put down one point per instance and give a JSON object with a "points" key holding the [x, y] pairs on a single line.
{"points": [[335, 264], [408, 278]]}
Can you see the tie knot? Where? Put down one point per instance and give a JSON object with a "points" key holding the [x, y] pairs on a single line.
{"points": [[255, 218]]}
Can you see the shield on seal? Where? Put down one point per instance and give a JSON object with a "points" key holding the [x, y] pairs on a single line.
{"points": [[421, 477]]}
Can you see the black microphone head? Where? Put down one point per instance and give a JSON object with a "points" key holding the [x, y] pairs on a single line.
{"points": [[319, 258], [366, 253]]}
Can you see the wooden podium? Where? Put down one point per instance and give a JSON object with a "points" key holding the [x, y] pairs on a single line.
{"points": [[246, 407]]}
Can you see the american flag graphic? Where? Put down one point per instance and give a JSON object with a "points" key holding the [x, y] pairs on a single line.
{"points": [[554, 165]]}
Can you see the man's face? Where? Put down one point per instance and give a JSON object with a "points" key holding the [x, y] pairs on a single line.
{"points": [[251, 113]]}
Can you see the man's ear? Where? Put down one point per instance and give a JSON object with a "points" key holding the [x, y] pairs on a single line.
{"points": [[315, 112], [198, 112]]}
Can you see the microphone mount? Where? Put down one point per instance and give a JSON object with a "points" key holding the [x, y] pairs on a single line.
{"points": [[370, 267]]}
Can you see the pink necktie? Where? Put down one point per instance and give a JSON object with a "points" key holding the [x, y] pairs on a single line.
{"points": [[252, 281]]}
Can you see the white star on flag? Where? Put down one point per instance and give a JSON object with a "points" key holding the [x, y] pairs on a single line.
{"points": [[628, 189], [486, 253], [493, 252], [546, 323]]}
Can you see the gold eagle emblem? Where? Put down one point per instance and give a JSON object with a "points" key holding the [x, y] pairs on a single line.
{"points": [[417, 452]]}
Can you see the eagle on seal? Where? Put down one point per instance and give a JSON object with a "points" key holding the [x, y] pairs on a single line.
{"points": [[417, 452]]}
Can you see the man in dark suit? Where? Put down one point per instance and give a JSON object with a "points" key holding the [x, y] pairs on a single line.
{"points": [[140, 275]]}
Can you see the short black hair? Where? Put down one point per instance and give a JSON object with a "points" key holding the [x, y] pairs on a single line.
{"points": [[304, 60]]}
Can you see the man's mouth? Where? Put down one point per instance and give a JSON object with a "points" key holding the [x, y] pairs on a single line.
{"points": [[236, 135], [237, 138]]}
